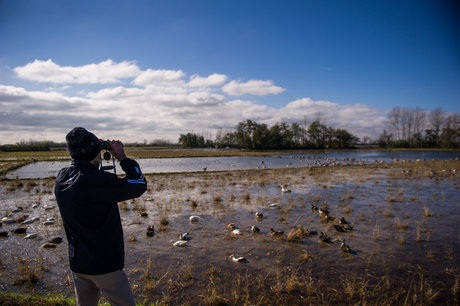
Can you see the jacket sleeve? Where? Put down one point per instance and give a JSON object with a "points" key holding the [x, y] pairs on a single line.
{"points": [[109, 188]]}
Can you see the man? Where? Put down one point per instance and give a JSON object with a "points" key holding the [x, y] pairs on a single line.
{"points": [[87, 198]]}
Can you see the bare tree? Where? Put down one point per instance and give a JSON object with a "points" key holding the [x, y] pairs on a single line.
{"points": [[436, 119]]}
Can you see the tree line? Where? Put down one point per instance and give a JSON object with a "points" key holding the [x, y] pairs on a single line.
{"points": [[258, 136], [415, 128]]}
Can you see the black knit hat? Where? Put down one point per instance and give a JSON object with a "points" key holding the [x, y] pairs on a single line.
{"points": [[82, 144]]}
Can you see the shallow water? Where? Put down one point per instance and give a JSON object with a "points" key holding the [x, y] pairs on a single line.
{"points": [[195, 164], [393, 237]]}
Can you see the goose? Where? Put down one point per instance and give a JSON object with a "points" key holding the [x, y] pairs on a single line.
{"points": [[237, 258], [194, 219], [150, 231], [179, 243], [255, 229], [31, 236], [345, 248]]}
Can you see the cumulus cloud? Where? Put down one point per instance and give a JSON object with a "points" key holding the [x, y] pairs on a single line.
{"points": [[252, 87], [152, 77], [212, 80], [156, 104], [102, 73]]}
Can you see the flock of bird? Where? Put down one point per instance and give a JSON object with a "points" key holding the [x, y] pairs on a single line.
{"points": [[341, 225], [22, 229]]}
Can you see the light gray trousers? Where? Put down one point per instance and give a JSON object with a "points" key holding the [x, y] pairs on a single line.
{"points": [[114, 286]]}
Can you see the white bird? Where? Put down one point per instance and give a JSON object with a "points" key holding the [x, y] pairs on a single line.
{"points": [[31, 236], [194, 219], [179, 243], [236, 258], [237, 232]]}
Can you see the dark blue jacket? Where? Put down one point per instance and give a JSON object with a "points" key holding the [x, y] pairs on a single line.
{"points": [[87, 198]]}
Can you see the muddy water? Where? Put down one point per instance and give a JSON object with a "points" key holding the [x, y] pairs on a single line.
{"points": [[405, 225]]}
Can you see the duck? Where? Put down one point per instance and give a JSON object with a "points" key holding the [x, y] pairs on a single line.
{"points": [[194, 219], [310, 233], [325, 238], [231, 226], [339, 228], [179, 243], [19, 230], [144, 214], [48, 222], [55, 240], [150, 231], [48, 245], [272, 205], [345, 248], [28, 221], [35, 206], [284, 189], [18, 209], [259, 215], [255, 229], [48, 207], [342, 221], [3, 234], [237, 232], [31, 236], [237, 258], [185, 236], [275, 232]]}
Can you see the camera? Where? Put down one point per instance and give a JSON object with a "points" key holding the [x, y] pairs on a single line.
{"points": [[105, 145]]}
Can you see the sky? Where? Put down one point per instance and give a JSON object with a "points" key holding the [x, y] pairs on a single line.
{"points": [[149, 70]]}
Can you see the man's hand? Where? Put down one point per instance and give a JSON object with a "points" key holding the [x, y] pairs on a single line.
{"points": [[117, 149]]}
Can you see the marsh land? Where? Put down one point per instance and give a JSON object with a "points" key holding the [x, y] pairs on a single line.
{"points": [[399, 220]]}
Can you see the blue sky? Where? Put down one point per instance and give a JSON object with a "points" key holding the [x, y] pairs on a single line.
{"points": [[154, 69]]}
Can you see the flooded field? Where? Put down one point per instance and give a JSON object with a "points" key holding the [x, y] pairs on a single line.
{"points": [[400, 222]]}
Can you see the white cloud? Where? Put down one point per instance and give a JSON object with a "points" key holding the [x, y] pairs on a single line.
{"points": [[157, 104], [160, 77], [253, 87], [105, 72], [212, 80]]}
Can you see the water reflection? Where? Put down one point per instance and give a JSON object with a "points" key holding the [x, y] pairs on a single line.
{"points": [[194, 164]]}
